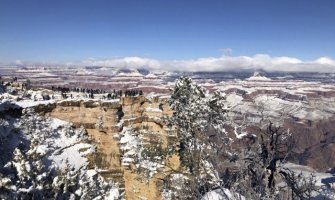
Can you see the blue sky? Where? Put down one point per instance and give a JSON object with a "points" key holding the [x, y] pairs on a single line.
{"points": [[75, 30]]}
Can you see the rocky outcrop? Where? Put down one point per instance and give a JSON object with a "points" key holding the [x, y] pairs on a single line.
{"points": [[104, 120]]}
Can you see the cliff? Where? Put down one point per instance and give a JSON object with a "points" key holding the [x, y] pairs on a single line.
{"points": [[104, 121]]}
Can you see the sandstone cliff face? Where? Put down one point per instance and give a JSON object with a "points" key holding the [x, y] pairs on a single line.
{"points": [[104, 120]]}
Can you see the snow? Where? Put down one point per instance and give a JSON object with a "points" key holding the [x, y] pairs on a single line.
{"points": [[113, 194], [111, 100], [70, 150], [43, 74], [18, 165], [131, 143], [129, 139], [57, 123], [151, 76], [127, 160], [73, 156], [149, 109], [30, 103], [222, 194], [59, 141], [312, 114], [258, 77], [275, 107], [177, 182], [91, 172], [130, 74], [42, 149], [151, 166], [4, 181], [84, 72], [239, 135], [296, 87], [234, 99]]}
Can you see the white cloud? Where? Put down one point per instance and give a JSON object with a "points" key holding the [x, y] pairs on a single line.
{"points": [[325, 61], [224, 63], [128, 62]]}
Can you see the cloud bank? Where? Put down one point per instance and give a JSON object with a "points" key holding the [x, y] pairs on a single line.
{"points": [[224, 63]]}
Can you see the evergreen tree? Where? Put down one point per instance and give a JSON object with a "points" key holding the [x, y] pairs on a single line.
{"points": [[198, 118]]}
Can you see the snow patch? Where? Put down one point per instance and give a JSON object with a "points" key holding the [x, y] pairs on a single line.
{"points": [[222, 194], [258, 77]]}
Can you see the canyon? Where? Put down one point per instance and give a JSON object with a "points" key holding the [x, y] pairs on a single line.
{"points": [[306, 109]]}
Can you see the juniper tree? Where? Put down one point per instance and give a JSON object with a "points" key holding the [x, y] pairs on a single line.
{"points": [[198, 120]]}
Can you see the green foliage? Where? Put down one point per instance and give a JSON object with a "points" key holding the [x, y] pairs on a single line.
{"points": [[197, 118]]}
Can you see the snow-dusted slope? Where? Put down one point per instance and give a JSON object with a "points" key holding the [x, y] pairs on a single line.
{"points": [[46, 158]]}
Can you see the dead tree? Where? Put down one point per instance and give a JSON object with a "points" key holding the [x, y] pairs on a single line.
{"points": [[262, 169]]}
